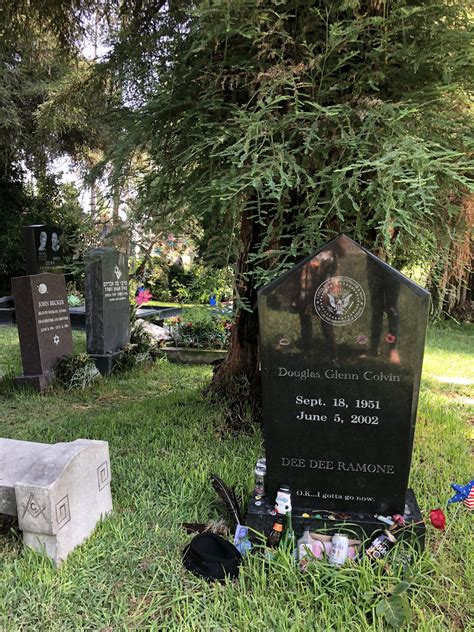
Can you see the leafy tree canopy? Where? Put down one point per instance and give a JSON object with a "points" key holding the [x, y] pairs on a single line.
{"points": [[310, 118], [293, 121]]}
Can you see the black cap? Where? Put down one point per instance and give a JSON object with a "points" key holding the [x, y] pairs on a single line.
{"points": [[211, 557]]}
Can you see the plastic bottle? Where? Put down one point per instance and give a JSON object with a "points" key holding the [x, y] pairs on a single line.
{"points": [[275, 535], [305, 548]]}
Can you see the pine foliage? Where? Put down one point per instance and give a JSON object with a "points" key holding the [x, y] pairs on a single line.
{"points": [[312, 118]]}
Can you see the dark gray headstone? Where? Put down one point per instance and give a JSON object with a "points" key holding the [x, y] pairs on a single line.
{"points": [[107, 302], [44, 327], [342, 341], [43, 249], [7, 310]]}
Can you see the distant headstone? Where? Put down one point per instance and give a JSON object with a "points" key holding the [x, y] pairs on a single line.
{"points": [[107, 305], [7, 310], [59, 492], [43, 249], [342, 340], [44, 327]]}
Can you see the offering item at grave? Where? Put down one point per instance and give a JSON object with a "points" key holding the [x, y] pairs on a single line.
{"points": [[283, 500], [229, 499], [259, 480], [319, 546], [241, 539], [274, 537], [381, 545], [288, 539], [304, 548], [339, 549], [464, 494]]}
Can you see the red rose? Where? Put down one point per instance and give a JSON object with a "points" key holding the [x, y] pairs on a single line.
{"points": [[438, 519]]}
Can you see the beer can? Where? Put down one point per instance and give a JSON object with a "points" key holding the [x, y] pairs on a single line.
{"points": [[339, 547], [381, 545]]}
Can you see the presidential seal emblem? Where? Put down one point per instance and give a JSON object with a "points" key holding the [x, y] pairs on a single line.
{"points": [[340, 300]]}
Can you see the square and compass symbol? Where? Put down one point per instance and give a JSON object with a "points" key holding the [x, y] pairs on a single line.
{"points": [[33, 507]]}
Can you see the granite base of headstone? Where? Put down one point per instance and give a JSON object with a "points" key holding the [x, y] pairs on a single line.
{"points": [[36, 382], [58, 492], [107, 306], [44, 327], [261, 516], [342, 339], [105, 362]]}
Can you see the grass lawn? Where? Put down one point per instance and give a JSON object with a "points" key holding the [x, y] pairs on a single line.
{"points": [[165, 439]]}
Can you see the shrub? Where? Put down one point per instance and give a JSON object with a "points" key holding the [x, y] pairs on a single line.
{"points": [[207, 281], [76, 371], [141, 350], [154, 276], [194, 285], [73, 300], [202, 328]]}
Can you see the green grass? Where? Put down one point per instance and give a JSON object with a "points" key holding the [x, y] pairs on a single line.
{"points": [[165, 438]]}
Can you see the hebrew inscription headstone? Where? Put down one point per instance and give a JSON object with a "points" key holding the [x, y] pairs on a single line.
{"points": [[342, 341], [107, 305], [43, 248], [44, 326]]}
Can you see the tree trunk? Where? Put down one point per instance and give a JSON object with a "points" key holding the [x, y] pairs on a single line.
{"points": [[93, 200], [116, 205], [237, 379], [453, 290]]}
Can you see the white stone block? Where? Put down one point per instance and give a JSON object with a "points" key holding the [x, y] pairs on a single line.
{"points": [[62, 491]]}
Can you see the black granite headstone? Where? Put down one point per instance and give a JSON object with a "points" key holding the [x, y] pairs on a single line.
{"points": [[43, 249], [44, 327], [342, 340], [107, 305]]}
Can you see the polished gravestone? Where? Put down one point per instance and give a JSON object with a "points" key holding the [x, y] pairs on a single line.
{"points": [[107, 306], [342, 339], [44, 327], [43, 249], [7, 310]]}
